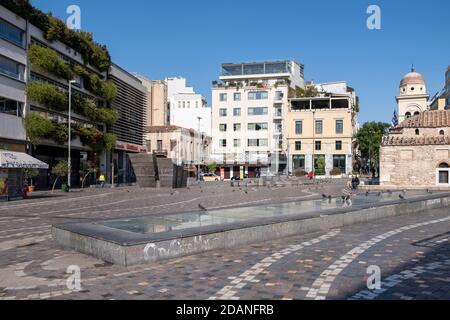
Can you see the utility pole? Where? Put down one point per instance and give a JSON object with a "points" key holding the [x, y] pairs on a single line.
{"points": [[314, 146], [69, 162], [198, 166]]}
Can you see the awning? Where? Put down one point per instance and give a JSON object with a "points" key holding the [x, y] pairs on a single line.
{"points": [[19, 160]]}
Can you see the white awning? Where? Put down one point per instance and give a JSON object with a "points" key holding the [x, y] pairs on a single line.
{"points": [[19, 160]]}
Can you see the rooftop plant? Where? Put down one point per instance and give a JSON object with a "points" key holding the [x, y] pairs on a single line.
{"points": [[54, 29], [47, 94], [48, 60]]}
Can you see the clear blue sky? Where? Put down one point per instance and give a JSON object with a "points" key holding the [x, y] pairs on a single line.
{"points": [[191, 38]]}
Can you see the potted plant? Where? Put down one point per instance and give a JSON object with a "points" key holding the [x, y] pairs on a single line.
{"points": [[31, 174]]}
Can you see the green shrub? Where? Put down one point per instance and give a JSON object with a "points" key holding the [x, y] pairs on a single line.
{"points": [[61, 169], [47, 95], [37, 127], [109, 91], [95, 114], [48, 60], [109, 141]]}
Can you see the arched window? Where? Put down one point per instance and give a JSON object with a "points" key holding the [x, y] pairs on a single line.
{"points": [[441, 132], [412, 88], [408, 115], [417, 132], [416, 113], [443, 174]]}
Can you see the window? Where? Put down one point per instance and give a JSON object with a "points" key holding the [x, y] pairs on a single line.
{"points": [[298, 145], [443, 176], [223, 143], [441, 132], [11, 68], [298, 162], [258, 142], [179, 104], [184, 104], [257, 126], [159, 144], [222, 127], [11, 33], [298, 127], [188, 104], [237, 127], [338, 145], [318, 145], [416, 113], [443, 173], [223, 97], [237, 143], [223, 112], [11, 107], [196, 104], [339, 126], [237, 96], [258, 95], [259, 111], [279, 95], [319, 126], [417, 132], [237, 112], [408, 115], [339, 163]]}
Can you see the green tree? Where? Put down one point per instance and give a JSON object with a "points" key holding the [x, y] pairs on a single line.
{"points": [[368, 141], [61, 170], [212, 166]]}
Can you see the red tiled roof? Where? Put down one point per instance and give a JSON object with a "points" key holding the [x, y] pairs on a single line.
{"points": [[415, 141], [428, 119]]}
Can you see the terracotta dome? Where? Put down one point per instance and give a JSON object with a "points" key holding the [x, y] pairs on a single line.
{"points": [[412, 78]]}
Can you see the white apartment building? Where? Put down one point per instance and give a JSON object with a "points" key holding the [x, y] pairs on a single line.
{"points": [[188, 109], [248, 112]]}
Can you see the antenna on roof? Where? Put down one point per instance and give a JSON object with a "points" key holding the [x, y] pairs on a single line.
{"points": [[412, 68]]}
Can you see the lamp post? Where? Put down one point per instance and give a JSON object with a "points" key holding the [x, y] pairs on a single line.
{"points": [[69, 162], [198, 166], [314, 145]]}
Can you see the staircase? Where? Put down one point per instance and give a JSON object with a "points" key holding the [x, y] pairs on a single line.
{"points": [[144, 169]]}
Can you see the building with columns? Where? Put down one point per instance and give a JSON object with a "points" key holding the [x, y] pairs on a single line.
{"points": [[413, 97]]}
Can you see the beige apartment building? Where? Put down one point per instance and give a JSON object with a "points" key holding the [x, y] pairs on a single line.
{"points": [[158, 111], [322, 128]]}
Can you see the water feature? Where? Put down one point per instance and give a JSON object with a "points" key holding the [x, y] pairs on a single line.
{"points": [[182, 221]]}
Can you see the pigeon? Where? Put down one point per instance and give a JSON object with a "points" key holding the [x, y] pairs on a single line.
{"points": [[202, 207], [329, 197], [401, 196], [367, 193]]}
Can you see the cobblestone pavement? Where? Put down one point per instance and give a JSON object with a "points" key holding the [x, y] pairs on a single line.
{"points": [[412, 252]]}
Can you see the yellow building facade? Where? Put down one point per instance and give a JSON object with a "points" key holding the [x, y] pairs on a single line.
{"points": [[321, 128]]}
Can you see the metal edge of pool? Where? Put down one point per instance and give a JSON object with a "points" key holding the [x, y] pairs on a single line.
{"points": [[128, 248]]}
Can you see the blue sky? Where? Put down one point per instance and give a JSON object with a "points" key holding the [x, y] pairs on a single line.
{"points": [[192, 38]]}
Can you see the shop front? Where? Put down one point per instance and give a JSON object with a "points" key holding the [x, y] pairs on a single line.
{"points": [[12, 166]]}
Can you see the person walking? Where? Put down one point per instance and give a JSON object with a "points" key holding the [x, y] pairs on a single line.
{"points": [[102, 180]]}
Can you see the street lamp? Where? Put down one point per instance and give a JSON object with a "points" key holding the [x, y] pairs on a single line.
{"points": [[198, 166], [69, 162]]}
